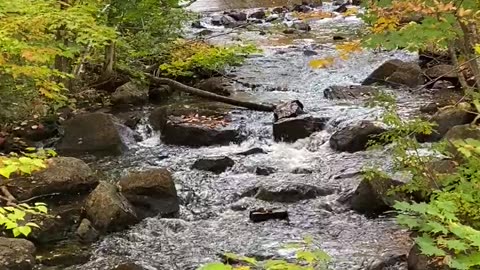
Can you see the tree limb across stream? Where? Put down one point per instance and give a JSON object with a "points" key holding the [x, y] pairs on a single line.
{"points": [[211, 96]]}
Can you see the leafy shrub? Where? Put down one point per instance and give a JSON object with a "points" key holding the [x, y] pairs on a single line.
{"points": [[188, 58]]}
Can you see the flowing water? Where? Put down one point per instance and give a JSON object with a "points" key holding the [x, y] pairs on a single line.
{"points": [[214, 218]]}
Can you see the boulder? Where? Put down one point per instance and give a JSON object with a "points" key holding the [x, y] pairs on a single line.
{"points": [[109, 210], [176, 130], [259, 15], [228, 21], [349, 92], [418, 261], [86, 232], [342, 8], [92, 133], [265, 171], [461, 132], [214, 164], [279, 10], [290, 192], [151, 192], [301, 8], [16, 254], [238, 16], [445, 119], [355, 138], [288, 109], [396, 73], [217, 85], [446, 72], [160, 94], [293, 129], [64, 175], [372, 196], [130, 94], [301, 26]]}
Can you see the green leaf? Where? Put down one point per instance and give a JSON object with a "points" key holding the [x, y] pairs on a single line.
{"points": [[216, 266], [428, 246], [25, 230]]}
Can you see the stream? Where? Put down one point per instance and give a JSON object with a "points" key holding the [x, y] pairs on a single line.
{"points": [[214, 217]]}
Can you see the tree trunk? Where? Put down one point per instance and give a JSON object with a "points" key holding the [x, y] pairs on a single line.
{"points": [[207, 95], [109, 61]]}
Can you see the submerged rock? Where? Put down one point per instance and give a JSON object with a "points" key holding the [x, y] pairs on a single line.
{"points": [[152, 192], [128, 266], [130, 94], [215, 164], [92, 133], [290, 192], [16, 254], [349, 92], [293, 129], [445, 119], [252, 151], [396, 73], [265, 171], [238, 16], [108, 209], [372, 196], [264, 215], [356, 137], [64, 175]]}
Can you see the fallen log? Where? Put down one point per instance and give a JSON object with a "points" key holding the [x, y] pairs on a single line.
{"points": [[211, 96]]}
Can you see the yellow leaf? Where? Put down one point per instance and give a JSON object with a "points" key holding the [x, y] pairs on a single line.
{"points": [[477, 48], [321, 63], [351, 12]]}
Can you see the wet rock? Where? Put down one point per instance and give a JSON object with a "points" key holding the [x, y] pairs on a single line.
{"points": [[349, 92], [342, 8], [205, 32], [290, 192], [252, 151], [197, 25], [356, 2], [128, 266], [130, 119], [60, 224], [309, 53], [238, 16], [372, 196], [356, 137], [108, 210], [216, 20], [265, 171], [443, 84], [264, 215], [215, 164], [217, 85], [386, 261], [288, 109], [336, 38], [16, 254], [272, 18], [152, 192], [86, 232], [429, 108], [36, 131], [418, 261], [259, 15], [279, 10], [64, 175], [445, 119], [228, 21], [160, 94], [130, 94], [92, 133], [289, 31], [301, 8], [301, 26], [293, 129], [447, 72], [302, 171], [396, 73], [65, 256]]}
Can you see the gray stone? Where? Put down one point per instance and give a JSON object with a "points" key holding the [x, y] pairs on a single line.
{"points": [[86, 232], [396, 73], [214, 164], [16, 254], [130, 94], [293, 129], [356, 137], [290, 192]]}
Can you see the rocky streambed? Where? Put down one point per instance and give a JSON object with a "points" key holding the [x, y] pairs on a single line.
{"points": [[179, 179]]}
